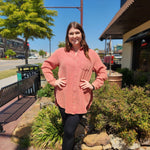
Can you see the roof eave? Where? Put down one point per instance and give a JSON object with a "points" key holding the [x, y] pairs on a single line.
{"points": [[123, 9]]}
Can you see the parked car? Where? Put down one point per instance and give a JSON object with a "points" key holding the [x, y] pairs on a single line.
{"points": [[33, 57], [20, 57], [117, 56]]}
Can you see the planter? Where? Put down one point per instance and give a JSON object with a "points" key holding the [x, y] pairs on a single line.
{"points": [[114, 78]]}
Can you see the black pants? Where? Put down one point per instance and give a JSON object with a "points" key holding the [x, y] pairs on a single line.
{"points": [[70, 123]]}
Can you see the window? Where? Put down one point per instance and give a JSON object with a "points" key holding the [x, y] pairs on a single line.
{"points": [[1, 41], [141, 55]]}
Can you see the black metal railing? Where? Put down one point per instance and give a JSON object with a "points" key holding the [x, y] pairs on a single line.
{"points": [[27, 86], [28, 83]]}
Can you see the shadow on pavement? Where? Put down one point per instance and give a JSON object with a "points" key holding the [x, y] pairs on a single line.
{"points": [[16, 109]]}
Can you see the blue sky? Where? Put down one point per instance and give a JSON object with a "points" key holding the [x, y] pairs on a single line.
{"points": [[97, 14]]}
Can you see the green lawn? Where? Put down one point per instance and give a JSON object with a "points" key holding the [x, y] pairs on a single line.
{"points": [[7, 73], [11, 72]]}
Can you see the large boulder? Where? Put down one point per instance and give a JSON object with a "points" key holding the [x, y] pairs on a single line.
{"points": [[97, 139]]}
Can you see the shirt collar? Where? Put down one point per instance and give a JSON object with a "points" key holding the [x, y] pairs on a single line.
{"points": [[81, 48]]}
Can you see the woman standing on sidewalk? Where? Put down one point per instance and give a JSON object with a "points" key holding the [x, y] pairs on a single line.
{"points": [[73, 92]]}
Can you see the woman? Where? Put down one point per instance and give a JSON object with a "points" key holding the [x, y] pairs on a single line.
{"points": [[73, 92]]}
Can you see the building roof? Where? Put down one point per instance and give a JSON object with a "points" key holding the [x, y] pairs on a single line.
{"points": [[132, 14], [101, 51]]}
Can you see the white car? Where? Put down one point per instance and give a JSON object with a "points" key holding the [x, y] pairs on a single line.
{"points": [[33, 57], [117, 56]]}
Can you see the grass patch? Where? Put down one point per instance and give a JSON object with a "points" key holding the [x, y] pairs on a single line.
{"points": [[8, 73]]}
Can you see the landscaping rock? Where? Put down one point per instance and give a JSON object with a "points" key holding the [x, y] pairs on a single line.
{"points": [[97, 139], [117, 143], [85, 147], [107, 147], [146, 142], [134, 146], [144, 148]]}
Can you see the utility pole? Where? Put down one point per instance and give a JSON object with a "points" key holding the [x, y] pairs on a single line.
{"points": [[50, 47], [79, 8], [81, 12], [81, 17]]}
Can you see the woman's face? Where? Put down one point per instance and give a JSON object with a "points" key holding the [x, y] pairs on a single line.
{"points": [[74, 36]]}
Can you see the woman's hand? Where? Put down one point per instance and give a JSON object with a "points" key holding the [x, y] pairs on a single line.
{"points": [[86, 85], [61, 82]]}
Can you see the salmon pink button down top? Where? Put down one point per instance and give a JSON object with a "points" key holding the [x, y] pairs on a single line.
{"points": [[74, 68]]}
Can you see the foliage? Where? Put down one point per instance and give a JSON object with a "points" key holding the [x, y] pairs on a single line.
{"points": [[47, 91], [26, 18], [42, 53], [47, 129], [55, 72], [124, 112], [127, 78], [140, 78], [24, 142], [10, 52], [41, 73], [61, 44], [33, 50], [133, 77]]}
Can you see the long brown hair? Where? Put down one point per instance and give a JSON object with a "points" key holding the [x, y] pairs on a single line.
{"points": [[83, 43]]}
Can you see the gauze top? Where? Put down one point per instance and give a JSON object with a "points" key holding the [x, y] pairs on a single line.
{"points": [[74, 67]]}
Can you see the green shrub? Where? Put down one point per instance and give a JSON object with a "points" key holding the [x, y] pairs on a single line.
{"points": [[140, 78], [127, 78], [55, 72], [133, 77], [47, 91], [47, 129], [41, 73], [124, 112]]}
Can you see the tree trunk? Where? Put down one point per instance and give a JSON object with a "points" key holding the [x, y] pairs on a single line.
{"points": [[26, 52]]}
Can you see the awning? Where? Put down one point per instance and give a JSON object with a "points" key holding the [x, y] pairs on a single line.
{"points": [[131, 15], [138, 36]]}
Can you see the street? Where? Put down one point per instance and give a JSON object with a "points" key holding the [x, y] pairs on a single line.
{"points": [[10, 64]]}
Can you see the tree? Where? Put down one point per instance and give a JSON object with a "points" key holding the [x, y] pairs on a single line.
{"points": [[10, 52], [61, 44], [26, 18], [33, 50], [96, 49], [42, 53]]}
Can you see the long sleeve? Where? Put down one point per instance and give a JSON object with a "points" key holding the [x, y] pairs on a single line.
{"points": [[48, 65], [100, 70]]}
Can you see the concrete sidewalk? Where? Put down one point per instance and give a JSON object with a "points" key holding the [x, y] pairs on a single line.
{"points": [[11, 114], [7, 81]]}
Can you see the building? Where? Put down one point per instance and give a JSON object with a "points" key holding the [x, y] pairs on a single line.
{"points": [[117, 48], [16, 45], [132, 24], [101, 53]]}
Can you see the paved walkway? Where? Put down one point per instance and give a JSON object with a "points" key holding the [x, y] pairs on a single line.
{"points": [[13, 79], [10, 115], [7, 81]]}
